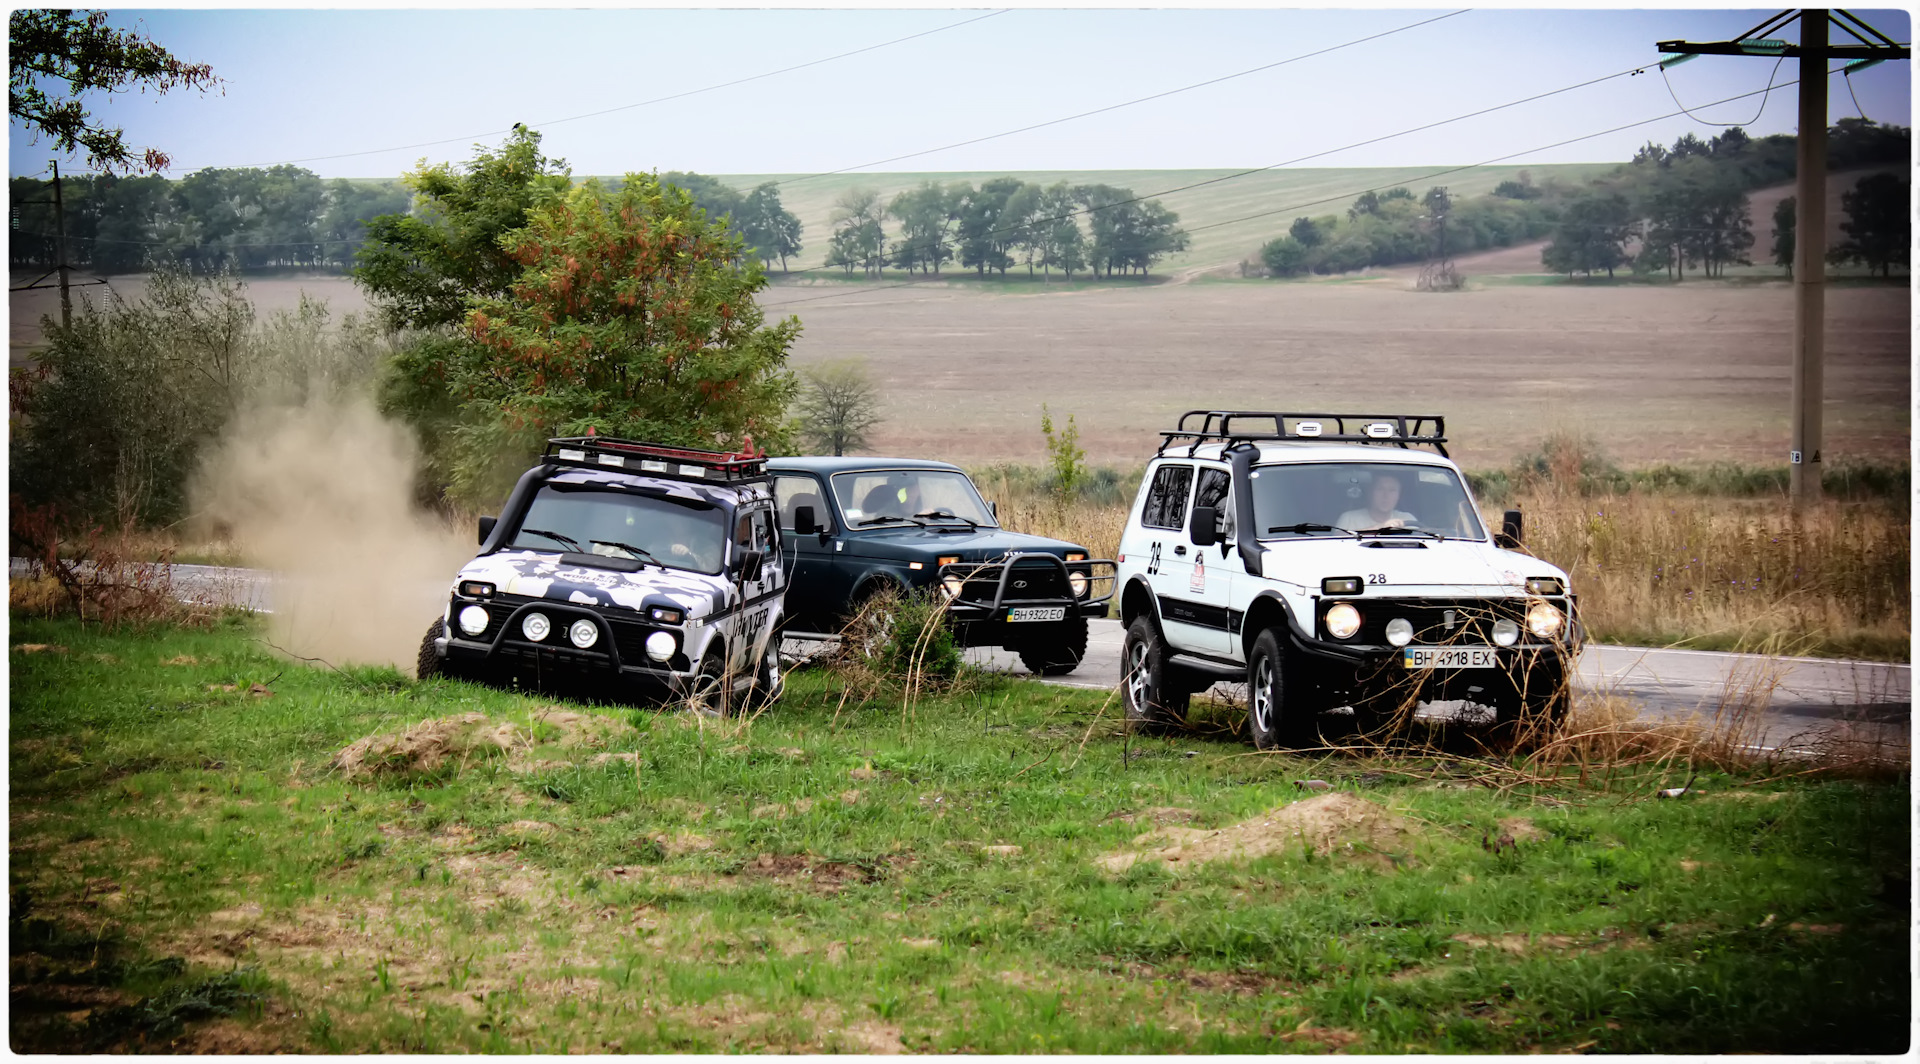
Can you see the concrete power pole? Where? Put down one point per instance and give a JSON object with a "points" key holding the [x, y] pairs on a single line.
{"points": [[1809, 262], [60, 250], [1810, 227]]}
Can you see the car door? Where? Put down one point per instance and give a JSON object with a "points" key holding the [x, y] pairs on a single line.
{"points": [[1209, 590], [808, 558], [1170, 556]]}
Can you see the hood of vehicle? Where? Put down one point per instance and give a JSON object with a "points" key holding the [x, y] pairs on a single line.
{"points": [[1438, 563], [539, 575], [978, 545]]}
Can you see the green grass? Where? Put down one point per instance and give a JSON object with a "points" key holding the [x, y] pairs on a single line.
{"points": [[241, 886], [1291, 192]]}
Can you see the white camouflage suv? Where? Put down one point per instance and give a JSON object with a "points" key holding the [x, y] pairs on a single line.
{"points": [[1327, 561]]}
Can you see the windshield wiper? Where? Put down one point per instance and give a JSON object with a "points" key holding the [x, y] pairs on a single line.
{"points": [[1308, 526], [638, 552], [1399, 532], [888, 517], [571, 545], [949, 515]]}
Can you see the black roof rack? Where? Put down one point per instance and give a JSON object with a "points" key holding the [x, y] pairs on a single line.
{"points": [[1399, 430], [654, 459]]}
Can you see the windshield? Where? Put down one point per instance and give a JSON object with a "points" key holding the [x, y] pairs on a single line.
{"points": [[1294, 501], [889, 496], [587, 519]]}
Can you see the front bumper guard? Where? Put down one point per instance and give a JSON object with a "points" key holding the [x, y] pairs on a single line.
{"points": [[1100, 573]]}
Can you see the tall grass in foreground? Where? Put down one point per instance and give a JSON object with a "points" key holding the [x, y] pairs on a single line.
{"points": [[1706, 558]]}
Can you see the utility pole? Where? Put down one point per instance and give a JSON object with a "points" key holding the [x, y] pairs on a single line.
{"points": [[60, 251], [1810, 227]]}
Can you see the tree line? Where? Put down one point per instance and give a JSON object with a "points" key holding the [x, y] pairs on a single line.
{"points": [[1396, 226], [282, 217], [1002, 224]]}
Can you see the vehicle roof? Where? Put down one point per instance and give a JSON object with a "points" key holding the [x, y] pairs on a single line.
{"points": [[1291, 451], [682, 487], [821, 463]]}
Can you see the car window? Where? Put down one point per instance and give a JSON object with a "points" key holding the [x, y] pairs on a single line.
{"points": [[882, 495], [1166, 505], [795, 492], [1361, 496], [681, 533], [1212, 491]]}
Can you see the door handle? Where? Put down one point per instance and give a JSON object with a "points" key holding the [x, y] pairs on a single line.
{"points": [[1181, 549]]}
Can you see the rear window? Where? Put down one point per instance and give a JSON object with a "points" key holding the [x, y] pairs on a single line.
{"points": [[1166, 505]]}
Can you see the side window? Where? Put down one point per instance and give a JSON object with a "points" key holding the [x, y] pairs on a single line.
{"points": [[766, 535], [1212, 491], [1167, 500], [794, 492]]}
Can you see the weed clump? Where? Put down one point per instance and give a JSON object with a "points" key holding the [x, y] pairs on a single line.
{"points": [[428, 746], [898, 646]]}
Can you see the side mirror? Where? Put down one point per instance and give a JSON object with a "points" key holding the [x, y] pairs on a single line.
{"points": [[803, 521], [486, 527], [749, 563], [1510, 528], [1202, 526]]}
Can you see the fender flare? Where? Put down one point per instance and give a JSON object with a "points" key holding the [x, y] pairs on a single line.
{"points": [[1146, 591]]}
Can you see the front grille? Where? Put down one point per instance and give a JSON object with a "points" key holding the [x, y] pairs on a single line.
{"points": [[1043, 580], [1436, 622]]}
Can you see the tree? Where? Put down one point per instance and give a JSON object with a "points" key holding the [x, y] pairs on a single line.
{"points": [[420, 269], [983, 240], [86, 55], [838, 406], [1784, 214], [633, 314], [1306, 232], [1065, 245], [858, 237], [1592, 235], [1879, 227], [1367, 203], [1284, 256], [770, 229], [926, 216]]}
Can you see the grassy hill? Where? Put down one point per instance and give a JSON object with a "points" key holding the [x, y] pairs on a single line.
{"points": [[1291, 192]]}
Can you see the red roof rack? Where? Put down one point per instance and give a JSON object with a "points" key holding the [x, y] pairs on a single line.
{"points": [[655, 459]]}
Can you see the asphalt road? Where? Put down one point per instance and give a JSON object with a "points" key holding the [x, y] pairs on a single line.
{"points": [[1805, 698]]}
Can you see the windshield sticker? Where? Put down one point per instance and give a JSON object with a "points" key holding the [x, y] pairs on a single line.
{"points": [[1434, 476]]}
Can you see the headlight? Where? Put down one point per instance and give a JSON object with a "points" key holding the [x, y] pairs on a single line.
{"points": [[473, 620], [1505, 632], [660, 646], [951, 585], [1544, 620], [1343, 621], [536, 626], [1544, 585], [1399, 631], [583, 633], [666, 615], [1078, 582]]}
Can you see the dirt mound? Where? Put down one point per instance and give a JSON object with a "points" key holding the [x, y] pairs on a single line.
{"points": [[579, 729], [429, 744], [1328, 824], [1158, 815]]}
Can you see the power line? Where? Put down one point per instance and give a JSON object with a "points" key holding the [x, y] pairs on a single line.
{"points": [[642, 103], [1724, 125], [1355, 192], [1127, 103]]}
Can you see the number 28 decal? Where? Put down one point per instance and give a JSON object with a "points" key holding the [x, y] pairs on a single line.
{"points": [[1376, 578]]}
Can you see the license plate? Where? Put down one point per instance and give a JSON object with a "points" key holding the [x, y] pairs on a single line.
{"points": [[1449, 658], [1037, 613]]}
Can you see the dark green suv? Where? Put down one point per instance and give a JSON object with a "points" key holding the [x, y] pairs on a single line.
{"points": [[852, 527]]}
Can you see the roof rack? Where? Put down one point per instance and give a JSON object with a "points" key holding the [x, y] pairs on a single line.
{"points": [[680, 463], [1399, 430]]}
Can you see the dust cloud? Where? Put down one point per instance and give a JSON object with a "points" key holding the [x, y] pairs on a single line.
{"points": [[321, 495]]}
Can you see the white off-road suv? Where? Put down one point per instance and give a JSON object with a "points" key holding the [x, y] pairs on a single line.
{"points": [[1332, 560]]}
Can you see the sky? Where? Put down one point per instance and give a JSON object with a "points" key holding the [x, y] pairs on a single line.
{"points": [[369, 93]]}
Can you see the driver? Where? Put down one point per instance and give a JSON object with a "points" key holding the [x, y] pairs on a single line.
{"points": [[898, 497], [1379, 511]]}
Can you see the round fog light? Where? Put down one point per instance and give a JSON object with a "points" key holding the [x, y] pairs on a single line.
{"points": [[660, 646], [473, 620], [1505, 632], [952, 585], [536, 626], [1078, 581], [1544, 620], [583, 633], [1343, 621], [1399, 631]]}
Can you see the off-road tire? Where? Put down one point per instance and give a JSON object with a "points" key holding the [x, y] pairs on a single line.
{"points": [[1149, 689], [708, 685], [430, 664], [1532, 707], [769, 679], [1278, 714], [1057, 651]]}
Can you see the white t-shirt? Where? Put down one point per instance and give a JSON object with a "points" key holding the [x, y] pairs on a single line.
{"points": [[1362, 519]]}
